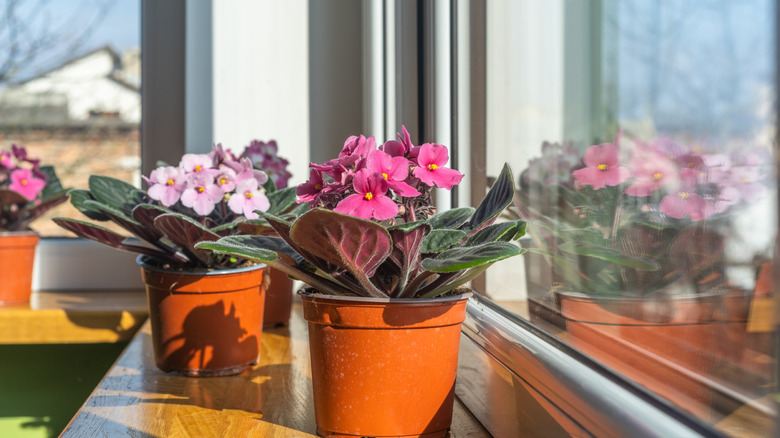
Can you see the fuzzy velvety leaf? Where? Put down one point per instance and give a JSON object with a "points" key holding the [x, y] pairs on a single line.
{"points": [[497, 199], [256, 227], [138, 229], [78, 199], [504, 232], [458, 259], [8, 197], [357, 245], [259, 248], [281, 200], [407, 244], [185, 232], [116, 193], [439, 240], [228, 229], [451, 218], [147, 213], [105, 236], [407, 226], [269, 186], [282, 229], [588, 249]]}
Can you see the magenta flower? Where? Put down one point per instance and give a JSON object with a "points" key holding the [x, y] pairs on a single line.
{"points": [[358, 146], [6, 161], [25, 183], [603, 168], [370, 201], [248, 198], [196, 163], [651, 172], [167, 184], [394, 170], [308, 191], [403, 147], [431, 170], [201, 194], [684, 202]]}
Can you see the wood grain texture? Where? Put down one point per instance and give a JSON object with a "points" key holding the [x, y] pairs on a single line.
{"points": [[74, 317], [273, 399]]}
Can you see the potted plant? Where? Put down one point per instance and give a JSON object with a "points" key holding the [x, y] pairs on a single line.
{"points": [[206, 309], [384, 308], [27, 190], [634, 232]]}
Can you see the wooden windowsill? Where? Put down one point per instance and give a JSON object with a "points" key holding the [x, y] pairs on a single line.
{"points": [[65, 317], [274, 398]]}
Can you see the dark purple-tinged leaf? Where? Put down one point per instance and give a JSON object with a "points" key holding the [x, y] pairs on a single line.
{"points": [[147, 213], [283, 229], [497, 199], [459, 259], [138, 229], [257, 248], [451, 218], [105, 236], [256, 227], [227, 229], [357, 245], [503, 232], [438, 240], [407, 243], [115, 193], [8, 197], [185, 232]]}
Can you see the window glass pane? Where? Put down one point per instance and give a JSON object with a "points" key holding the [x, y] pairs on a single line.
{"points": [[641, 133], [70, 76]]}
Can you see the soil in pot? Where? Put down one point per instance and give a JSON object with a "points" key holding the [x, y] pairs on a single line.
{"points": [[17, 257], [383, 367], [207, 323]]}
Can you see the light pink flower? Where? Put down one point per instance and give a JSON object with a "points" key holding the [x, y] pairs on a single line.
{"points": [[6, 160], [25, 183], [308, 191], [684, 202], [248, 198], [167, 184], [201, 193], [603, 168], [652, 170], [196, 163], [226, 179], [431, 170], [370, 201], [394, 170]]}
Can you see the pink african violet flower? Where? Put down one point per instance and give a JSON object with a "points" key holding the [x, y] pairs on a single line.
{"points": [[167, 184], [394, 170], [308, 191], [201, 193], [196, 163], [651, 171], [684, 202], [359, 146], [6, 160], [25, 183], [226, 179], [248, 198], [403, 147], [370, 201], [431, 170], [603, 168]]}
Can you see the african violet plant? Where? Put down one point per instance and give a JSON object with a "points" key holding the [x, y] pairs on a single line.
{"points": [[633, 217], [205, 197], [27, 189], [372, 229]]}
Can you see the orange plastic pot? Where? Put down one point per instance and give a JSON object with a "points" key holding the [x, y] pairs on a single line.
{"points": [[278, 299], [17, 256], [205, 323], [383, 367], [666, 345]]}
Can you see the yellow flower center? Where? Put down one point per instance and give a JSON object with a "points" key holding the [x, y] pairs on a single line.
{"points": [[317, 186], [602, 167], [169, 182], [384, 175], [222, 180], [432, 167], [198, 168], [658, 176], [23, 182], [201, 189], [684, 195], [369, 195], [249, 195]]}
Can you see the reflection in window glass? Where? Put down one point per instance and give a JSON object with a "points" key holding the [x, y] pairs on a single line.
{"points": [[642, 133], [70, 76]]}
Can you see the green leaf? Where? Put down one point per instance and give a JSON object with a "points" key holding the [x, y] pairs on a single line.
{"points": [[450, 218], [604, 253], [408, 226], [458, 259], [186, 232], [281, 200], [498, 198], [53, 186], [116, 193], [78, 199], [439, 240], [504, 232]]}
